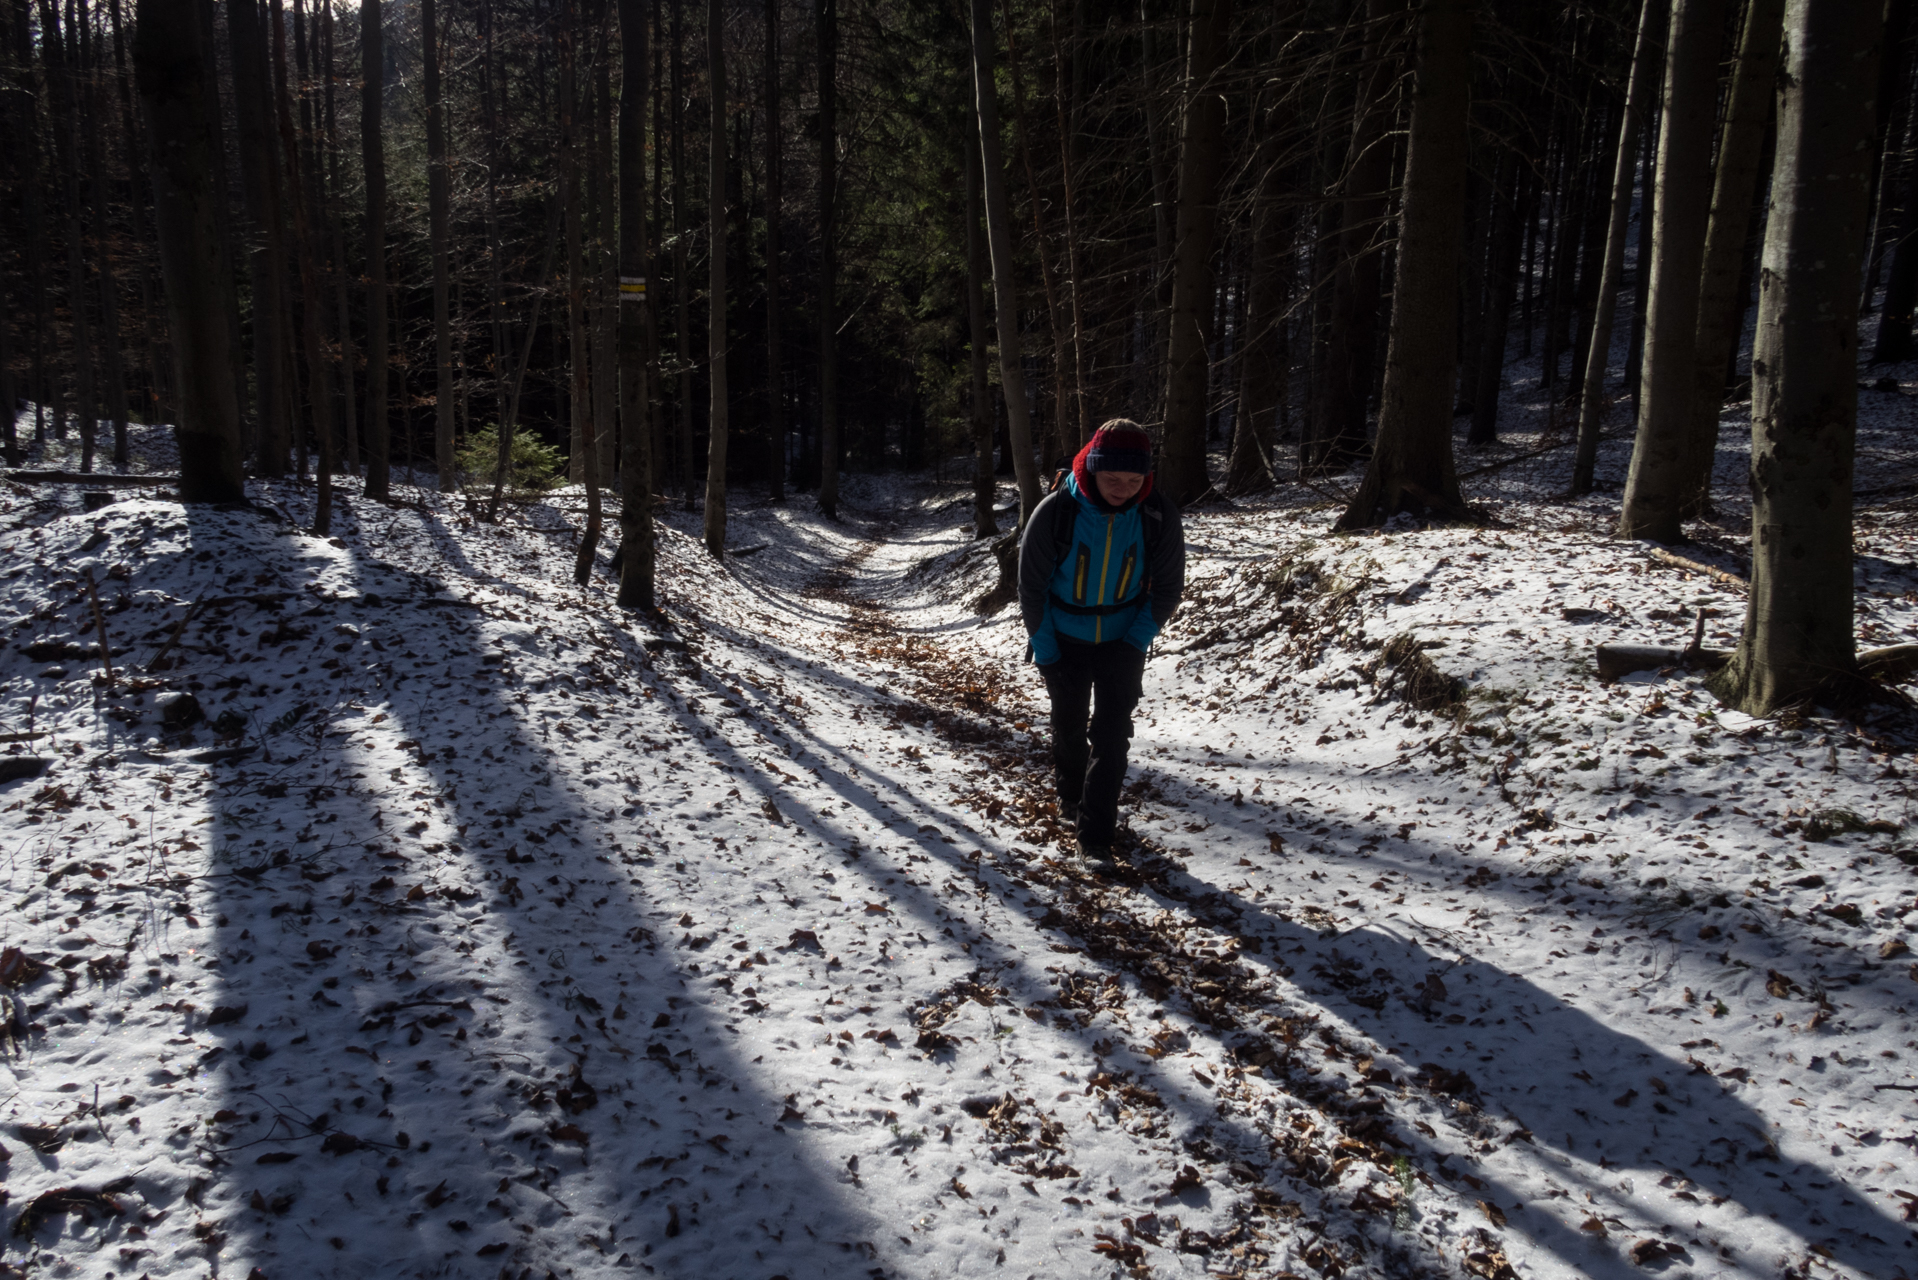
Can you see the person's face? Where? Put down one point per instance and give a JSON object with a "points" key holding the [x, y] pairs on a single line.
{"points": [[1118, 487]]}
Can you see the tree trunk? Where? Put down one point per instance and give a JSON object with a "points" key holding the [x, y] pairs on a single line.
{"points": [[985, 486], [682, 290], [1721, 311], [1647, 62], [63, 84], [1263, 356], [826, 19], [636, 552], [175, 78], [586, 452], [716, 421], [1655, 488], [603, 279], [336, 247], [1507, 239], [1064, 434], [437, 200], [306, 247], [379, 440], [1411, 467], [1798, 642], [266, 260], [1182, 464], [1352, 334], [1066, 98], [775, 392], [112, 366], [1012, 378]]}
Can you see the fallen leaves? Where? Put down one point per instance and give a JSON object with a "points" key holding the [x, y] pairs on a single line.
{"points": [[80, 1200], [17, 968]]}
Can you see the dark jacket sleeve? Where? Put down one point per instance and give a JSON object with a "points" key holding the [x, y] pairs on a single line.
{"points": [[1168, 561], [1038, 560]]}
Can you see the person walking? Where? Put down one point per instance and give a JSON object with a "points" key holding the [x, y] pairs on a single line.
{"points": [[1101, 570]]}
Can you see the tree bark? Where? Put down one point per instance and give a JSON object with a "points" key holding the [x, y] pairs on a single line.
{"points": [[1263, 359], [266, 260], [775, 392], [1798, 641], [586, 450], [1411, 467], [716, 420], [1721, 311], [175, 78], [603, 279], [1352, 336], [1647, 61], [1654, 491], [1507, 239], [379, 440], [1182, 464], [336, 248], [306, 249], [985, 485], [826, 20], [438, 215], [1012, 378], [64, 95], [636, 559]]}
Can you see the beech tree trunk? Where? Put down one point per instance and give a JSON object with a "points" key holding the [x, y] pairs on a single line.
{"points": [[266, 261], [174, 73], [1005, 292], [1721, 312], [1798, 641], [716, 405], [1655, 489], [636, 559], [1647, 63], [1182, 470]]}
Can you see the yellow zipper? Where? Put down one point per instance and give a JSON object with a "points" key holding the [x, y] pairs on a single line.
{"points": [[1105, 568]]}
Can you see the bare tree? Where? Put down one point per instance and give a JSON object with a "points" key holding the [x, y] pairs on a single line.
{"points": [[175, 78], [1182, 467], [379, 449], [826, 37], [636, 558], [1647, 63], [985, 487], [1654, 490], [1012, 379], [1798, 640], [1412, 468], [716, 281], [437, 200]]}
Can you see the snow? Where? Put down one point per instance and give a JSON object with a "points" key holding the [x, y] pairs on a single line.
{"points": [[495, 931]]}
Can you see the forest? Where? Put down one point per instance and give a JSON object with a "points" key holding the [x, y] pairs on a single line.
{"points": [[516, 757]]}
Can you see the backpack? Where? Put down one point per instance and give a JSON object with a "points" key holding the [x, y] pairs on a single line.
{"points": [[1065, 516]]}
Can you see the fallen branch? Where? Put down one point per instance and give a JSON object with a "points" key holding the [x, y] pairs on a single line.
{"points": [[1731, 580]]}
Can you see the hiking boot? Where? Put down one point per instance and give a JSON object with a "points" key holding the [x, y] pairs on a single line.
{"points": [[1069, 813], [1096, 852]]}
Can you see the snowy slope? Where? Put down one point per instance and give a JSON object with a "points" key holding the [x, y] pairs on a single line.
{"points": [[493, 931]]}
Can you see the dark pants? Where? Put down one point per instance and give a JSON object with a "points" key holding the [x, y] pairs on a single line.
{"points": [[1093, 688]]}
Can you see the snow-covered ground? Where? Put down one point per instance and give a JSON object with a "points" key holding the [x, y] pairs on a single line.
{"points": [[466, 926]]}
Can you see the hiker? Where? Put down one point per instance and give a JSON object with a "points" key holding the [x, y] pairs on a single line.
{"points": [[1101, 569]]}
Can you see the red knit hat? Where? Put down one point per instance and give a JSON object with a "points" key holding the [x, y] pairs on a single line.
{"points": [[1119, 445]]}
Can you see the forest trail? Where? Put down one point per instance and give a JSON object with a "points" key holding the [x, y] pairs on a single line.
{"points": [[528, 937]]}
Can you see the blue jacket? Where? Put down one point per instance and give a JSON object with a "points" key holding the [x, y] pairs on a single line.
{"points": [[1104, 564]]}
